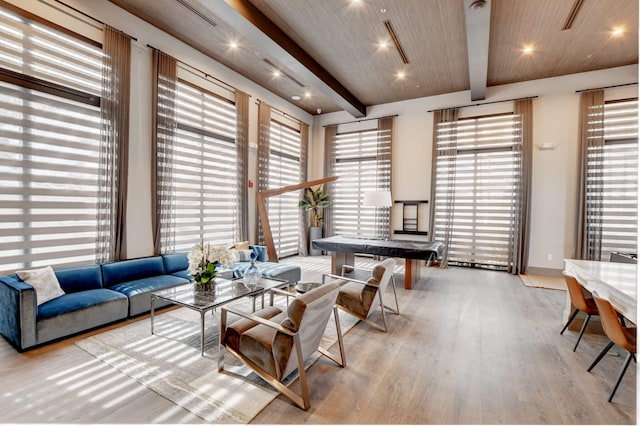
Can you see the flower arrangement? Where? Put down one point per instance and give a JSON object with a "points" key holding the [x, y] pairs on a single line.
{"points": [[204, 259]]}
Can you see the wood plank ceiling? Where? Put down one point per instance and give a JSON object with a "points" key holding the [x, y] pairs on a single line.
{"points": [[343, 37]]}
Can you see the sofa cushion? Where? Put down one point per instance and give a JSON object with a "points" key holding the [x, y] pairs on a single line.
{"points": [[241, 245], [241, 255], [281, 271], [77, 301], [79, 278], [129, 270], [183, 274], [175, 262], [139, 291], [77, 312], [44, 281]]}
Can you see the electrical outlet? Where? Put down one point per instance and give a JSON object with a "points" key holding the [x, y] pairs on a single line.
{"points": [[549, 257]]}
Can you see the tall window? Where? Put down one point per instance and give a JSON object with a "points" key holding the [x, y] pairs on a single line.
{"points": [[50, 83], [284, 169], [613, 179], [477, 180], [203, 166], [362, 160]]}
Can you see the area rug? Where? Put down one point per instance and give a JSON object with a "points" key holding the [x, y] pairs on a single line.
{"points": [[169, 363], [553, 283]]}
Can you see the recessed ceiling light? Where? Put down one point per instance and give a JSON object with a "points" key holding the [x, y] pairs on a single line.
{"points": [[400, 75], [233, 44], [383, 44], [383, 10], [617, 31], [296, 97], [527, 50], [307, 94], [277, 73]]}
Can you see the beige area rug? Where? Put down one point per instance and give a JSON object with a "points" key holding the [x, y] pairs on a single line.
{"points": [[552, 283], [169, 363]]}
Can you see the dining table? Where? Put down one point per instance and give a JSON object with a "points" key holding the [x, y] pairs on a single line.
{"points": [[613, 281]]}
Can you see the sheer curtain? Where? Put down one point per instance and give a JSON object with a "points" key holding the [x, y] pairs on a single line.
{"points": [[519, 245], [588, 234], [383, 180], [114, 146], [242, 146], [164, 135], [443, 173], [303, 247], [330, 133], [264, 131]]}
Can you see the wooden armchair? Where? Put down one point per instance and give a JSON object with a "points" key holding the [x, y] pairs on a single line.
{"points": [[274, 343], [357, 296]]}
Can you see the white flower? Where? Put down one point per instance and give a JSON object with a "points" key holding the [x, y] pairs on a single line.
{"points": [[204, 253]]}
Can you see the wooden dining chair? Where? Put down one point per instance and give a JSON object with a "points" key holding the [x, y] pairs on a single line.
{"points": [[581, 304], [625, 337]]}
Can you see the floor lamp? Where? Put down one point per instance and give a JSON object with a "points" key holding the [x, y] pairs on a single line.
{"points": [[377, 199], [264, 216]]}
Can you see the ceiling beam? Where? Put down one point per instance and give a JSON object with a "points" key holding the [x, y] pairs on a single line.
{"points": [[249, 21], [477, 16]]}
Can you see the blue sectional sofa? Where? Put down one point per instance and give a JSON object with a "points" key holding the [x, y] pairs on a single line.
{"points": [[99, 294]]}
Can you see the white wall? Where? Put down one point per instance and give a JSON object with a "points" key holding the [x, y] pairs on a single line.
{"points": [[139, 235], [555, 120]]}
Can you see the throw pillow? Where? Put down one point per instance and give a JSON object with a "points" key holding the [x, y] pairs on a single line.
{"points": [[240, 255], [44, 282], [261, 253], [243, 245]]}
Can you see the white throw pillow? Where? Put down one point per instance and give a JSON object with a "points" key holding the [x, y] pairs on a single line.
{"points": [[240, 255], [45, 283]]}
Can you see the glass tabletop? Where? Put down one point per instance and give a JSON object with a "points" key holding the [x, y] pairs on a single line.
{"points": [[225, 291]]}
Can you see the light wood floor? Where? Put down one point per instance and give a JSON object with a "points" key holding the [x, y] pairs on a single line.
{"points": [[469, 347]]}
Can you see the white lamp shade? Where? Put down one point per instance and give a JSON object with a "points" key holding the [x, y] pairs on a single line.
{"points": [[377, 199]]}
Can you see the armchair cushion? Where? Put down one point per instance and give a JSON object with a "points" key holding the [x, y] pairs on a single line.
{"points": [[357, 297]]}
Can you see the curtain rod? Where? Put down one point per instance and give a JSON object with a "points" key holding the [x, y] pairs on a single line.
{"points": [[484, 103], [217, 81], [358, 121], [92, 18], [287, 115], [606, 87]]}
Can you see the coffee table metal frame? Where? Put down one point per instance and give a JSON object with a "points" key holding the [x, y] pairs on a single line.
{"points": [[226, 291]]}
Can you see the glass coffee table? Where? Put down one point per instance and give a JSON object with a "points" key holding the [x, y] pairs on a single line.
{"points": [[226, 291]]}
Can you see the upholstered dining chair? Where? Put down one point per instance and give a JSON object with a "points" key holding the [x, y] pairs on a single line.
{"points": [[581, 303], [274, 343], [625, 337], [358, 297]]}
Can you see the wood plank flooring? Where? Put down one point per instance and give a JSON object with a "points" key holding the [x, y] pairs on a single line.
{"points": [[470, 347]]}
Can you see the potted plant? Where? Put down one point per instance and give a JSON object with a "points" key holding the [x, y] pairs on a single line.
{"points": [[314, 201]]}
